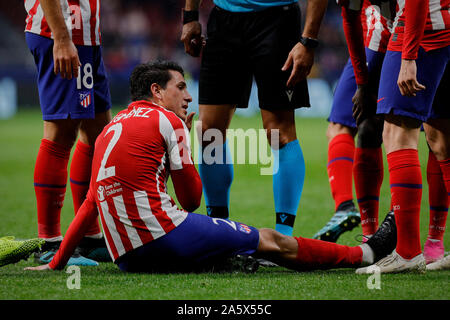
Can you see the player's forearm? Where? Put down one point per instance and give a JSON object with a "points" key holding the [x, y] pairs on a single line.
{"points": [[315, 11], [353, 32], [192, 5], [415, 20], [55, 19], [188, 187]]}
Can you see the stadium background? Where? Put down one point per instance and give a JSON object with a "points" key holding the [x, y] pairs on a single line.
{"points": [[135, 31]]}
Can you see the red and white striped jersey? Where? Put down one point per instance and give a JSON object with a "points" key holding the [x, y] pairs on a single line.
{"points": [[376, 19], [82, 20], [133, 158], [377, 24], [437, 25]]}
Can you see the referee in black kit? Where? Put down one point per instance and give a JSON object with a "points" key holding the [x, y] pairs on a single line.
{"points": [[258, 39]]}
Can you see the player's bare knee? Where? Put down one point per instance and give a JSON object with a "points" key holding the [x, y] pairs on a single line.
{"points": [[334, 129], [63, 132]]}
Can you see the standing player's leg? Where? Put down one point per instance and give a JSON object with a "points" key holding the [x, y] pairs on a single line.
{"points": [[64, 103], [438, 137], [433, 248], [403, 118], [438, 132], [368, 172], [341, 132], [93, 245]]}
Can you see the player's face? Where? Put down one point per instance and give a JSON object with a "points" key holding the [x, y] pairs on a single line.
{"points": [[175, 96]]}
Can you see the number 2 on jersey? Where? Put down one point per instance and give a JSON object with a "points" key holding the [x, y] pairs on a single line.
{"points": [[104, 172]]}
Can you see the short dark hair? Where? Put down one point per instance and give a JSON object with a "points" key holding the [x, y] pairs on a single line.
{"points": [[145, 74]]}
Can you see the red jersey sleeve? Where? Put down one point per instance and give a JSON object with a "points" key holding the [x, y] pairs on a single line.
{"points": [[415, 21], [353, 31], [84, 218]]}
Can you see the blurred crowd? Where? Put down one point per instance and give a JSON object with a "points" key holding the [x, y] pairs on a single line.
{"points": [[135, 31], [140, 30]]}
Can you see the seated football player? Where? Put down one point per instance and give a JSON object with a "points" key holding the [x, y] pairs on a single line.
{"points": [[145, 231]]}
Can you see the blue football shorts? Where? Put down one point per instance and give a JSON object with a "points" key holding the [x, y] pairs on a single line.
{"points": [[441, 107], [78, 98], [342, 107], [198, 241], [430, 70]]}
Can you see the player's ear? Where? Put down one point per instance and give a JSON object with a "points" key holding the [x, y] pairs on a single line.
{"points": [[156, 90]]}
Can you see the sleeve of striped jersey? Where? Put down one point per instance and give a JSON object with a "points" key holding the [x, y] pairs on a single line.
{"points": [[85, 217], [355, 41], [177, 138], [415, 21], [188, 187]]}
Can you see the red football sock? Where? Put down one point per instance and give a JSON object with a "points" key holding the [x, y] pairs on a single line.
{"points": [[80, 174], [50, 179], [368, 174], [405, 179], [341, 151], [318, 254], [438, 199]]}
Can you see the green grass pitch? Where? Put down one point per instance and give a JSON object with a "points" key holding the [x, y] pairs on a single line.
{"points": [[251, 202]]}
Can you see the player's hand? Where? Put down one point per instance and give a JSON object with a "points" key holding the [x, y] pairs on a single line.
{"points": [[39, 268], [192, 38], [301, 60], [364, 103], [407, 79], [188, 120], [66, 60]]}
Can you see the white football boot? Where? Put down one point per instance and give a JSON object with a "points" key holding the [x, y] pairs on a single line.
{"points": [[394, 263], [442, 264]]}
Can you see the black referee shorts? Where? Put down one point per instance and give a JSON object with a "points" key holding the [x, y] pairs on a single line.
{"points": [[243, 45]]}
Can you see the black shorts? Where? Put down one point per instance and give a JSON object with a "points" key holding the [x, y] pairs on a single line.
{"points": [[243, 45]]}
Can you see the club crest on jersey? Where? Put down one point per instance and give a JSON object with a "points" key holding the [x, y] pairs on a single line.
{"points": [[85, 99], [244, 228]]}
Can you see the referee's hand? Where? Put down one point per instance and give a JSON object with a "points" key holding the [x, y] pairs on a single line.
{"points": [[301, 60], [192, 38]]}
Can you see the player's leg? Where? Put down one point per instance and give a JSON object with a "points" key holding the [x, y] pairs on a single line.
{"points": [[93, 245], [438, 133], [368, 165], [289, 166], [50, 175], [433, 248], [368, 172], [341, 150], [302, 254], [224, 84], [272, 34], [63, 103], [341, 132], [403, 117], [215, 163]]}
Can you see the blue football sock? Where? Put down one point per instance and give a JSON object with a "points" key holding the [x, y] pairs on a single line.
{"points": [[216, 180], [288, 185]]}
